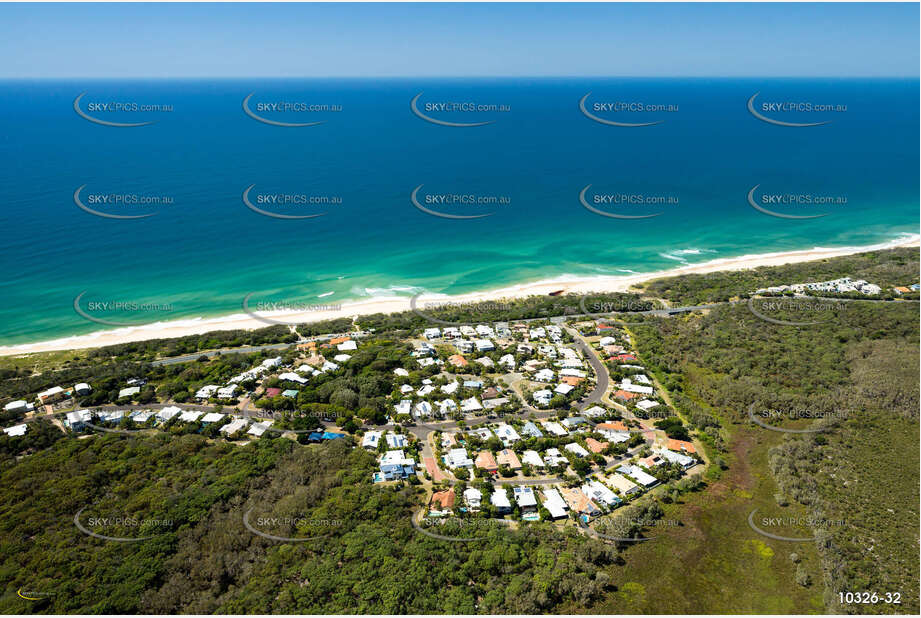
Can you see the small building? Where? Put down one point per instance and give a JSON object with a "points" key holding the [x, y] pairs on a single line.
{"points": [[208, 391], [637, 474], [576, 449], [82, 388], [543, 397], [78, 419], [600, 494], [190, 416], [471, 405], [168, 413], [527, 502], [554, 428], [563, 389], [290, 393], [227, 392]]}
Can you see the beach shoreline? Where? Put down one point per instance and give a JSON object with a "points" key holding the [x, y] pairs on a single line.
{"points": [[566, 284]]}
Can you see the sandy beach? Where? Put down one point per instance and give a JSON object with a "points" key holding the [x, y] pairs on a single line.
{"points": [[568, 284]]}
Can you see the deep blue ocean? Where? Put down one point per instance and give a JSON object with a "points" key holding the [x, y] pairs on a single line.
{"points": [[204, 249]]}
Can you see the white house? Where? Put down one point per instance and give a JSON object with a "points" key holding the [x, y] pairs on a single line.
{"points": [[447, 407], [16, 430], [396, 440], [576, 449], [450, 388], [554, 504], [259, 428], [563, 389], [499, 499], [18, 406], [211, 417], [423, 409], [628, 385], [595, 412], [542, 397], [396, 465], [458, 458], [293, 377], [508, 361], [233, 426], [599, 493], [554, 457], [473, 497], [507, 434], [483, 432], [638, 475], [647, 404], [227, 392], [167, 413], [431, 333], [401, 372], [207, 391], [554, 428], [484, 345], [544, 375], [471, 405], [532, 458], [371, 439], [125, 392], [347, 346], [190, 416], [404, 407], [679, 458], [82, 388]]}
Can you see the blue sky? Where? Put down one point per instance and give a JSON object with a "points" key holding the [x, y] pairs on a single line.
{"points": [[388, 40]]}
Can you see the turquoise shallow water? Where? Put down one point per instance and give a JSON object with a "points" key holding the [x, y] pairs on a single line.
{"points": [[202, 252]]}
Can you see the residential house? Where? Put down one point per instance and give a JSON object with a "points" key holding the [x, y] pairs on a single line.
{"points": [[530, 429], [625, 486], [554, 428], [580, 503], [554, 504], [442, 502], [576, 449], [233, 426], [542, 397], [527, 502], [507, 434], [473, 498], [499, 499], [371, 439], [260, 428], [486, 461], [507, 457], [595, 446], [396, 441], [471, 405], [457, 458], [600, 494], [395, 464], [532, 458]]}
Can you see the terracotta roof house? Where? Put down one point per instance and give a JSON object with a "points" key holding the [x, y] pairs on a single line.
{"points": [[272, 392], [507, 457], [680, 445], [595, 446], [443, 500], [571, 380], [338, 340], [457, 360], [486, 461], [612, 426], [624, 395]]}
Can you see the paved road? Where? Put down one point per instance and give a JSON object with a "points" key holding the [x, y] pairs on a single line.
{"points": [[602, 378]]}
